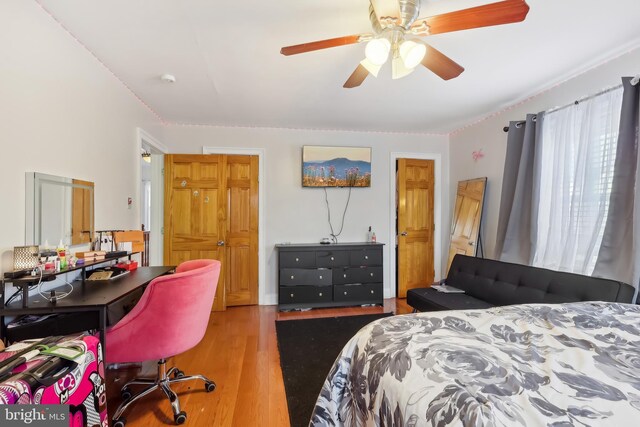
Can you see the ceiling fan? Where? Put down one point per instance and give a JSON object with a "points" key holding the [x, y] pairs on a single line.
{"points": [[396, 27]]}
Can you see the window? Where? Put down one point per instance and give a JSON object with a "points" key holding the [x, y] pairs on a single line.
{"points": [[577, 155]]}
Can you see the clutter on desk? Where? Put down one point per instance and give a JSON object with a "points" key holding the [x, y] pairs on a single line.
{"points": [[25, 257], [100, 275], [128, 265], [131, 241], [116, 254], [107, 273], [91, 256], [104, 241]]}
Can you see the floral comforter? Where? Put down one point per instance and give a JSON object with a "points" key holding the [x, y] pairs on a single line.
{"points": [[526, 365]]}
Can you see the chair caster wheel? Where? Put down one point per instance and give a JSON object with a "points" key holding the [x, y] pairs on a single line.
{"points": [[209, 387], [180, 418], [125, 394], [178, 374], [119, 423]]}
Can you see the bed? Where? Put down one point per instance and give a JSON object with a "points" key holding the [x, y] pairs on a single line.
{"points": [[523, 365]]}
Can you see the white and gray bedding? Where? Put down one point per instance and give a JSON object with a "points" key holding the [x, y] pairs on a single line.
{"points": [[524, 365]]}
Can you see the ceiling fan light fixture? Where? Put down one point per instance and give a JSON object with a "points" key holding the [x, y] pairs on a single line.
{"points": [[377, 51], [399, 70], [412, 53], [372, 68]]}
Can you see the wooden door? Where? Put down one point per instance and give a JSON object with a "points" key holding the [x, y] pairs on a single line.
{"points": [[195, 212], [81, 212], [415, 224], [242, 230], [465, 225]]}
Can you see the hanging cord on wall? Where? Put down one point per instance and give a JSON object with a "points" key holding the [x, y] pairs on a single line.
{"points": [[334, 236]]}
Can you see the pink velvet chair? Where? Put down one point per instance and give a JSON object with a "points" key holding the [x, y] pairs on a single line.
{"points": [[170, 318]]}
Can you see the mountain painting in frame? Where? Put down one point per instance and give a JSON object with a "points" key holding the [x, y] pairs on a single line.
{"points": [[336, 166]]}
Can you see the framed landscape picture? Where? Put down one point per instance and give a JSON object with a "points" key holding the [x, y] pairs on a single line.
{"points": [[336, 166]]}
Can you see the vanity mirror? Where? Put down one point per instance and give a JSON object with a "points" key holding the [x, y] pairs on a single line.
{"points": [[58, 209], [467, 216]]}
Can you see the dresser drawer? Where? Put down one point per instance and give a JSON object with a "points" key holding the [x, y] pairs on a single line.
{"points": [[347, 275], [365, 292], [304, 294], [301, 276], [366, 257], [332, 258], [297, 259]]}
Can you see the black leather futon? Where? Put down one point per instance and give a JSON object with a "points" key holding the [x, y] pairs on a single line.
{"points": [[488, 283]]}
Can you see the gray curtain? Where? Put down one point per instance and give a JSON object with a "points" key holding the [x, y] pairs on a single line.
{"points": [[516, 220], [619, 256]]}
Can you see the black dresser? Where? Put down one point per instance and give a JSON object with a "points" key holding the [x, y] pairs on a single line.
{"points": [[335, 275]]}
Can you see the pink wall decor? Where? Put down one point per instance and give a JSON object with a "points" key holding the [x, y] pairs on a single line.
{"points": [[477, 155]]}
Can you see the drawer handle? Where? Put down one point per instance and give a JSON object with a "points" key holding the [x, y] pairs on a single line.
{"points": [[366, 257], [345, 292], [320, 294], [372, 291], [292, 277], [332, 258], [291, 295], [371, 274], [297, 259], [320, 277]]}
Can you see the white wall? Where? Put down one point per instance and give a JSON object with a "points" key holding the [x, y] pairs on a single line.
{"points": [[62, 113], [489, 136], [298, 215]]}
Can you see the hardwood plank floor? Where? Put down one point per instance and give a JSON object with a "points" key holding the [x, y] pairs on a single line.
{"points": [[240, 353]]}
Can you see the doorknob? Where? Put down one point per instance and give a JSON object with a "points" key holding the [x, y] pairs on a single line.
{"points": [[404, 233], [220, 242], [472, 243]]}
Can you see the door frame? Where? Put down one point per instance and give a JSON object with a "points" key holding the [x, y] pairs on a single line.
{"points": [[263, 298], [439, 205], [156, 246]]}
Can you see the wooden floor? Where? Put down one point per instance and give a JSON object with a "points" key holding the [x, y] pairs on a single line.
{"points": [[239, 352]]}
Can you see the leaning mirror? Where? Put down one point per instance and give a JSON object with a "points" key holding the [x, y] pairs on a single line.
{"points": [[467, 217], [58, 209]]}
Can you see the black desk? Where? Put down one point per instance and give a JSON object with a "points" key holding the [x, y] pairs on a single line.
{"points": [[87, 296]]}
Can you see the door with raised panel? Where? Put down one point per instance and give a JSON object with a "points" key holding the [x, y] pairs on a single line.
{"points": [[467, 214], [242, 230], [195, 212], [415, 224]]}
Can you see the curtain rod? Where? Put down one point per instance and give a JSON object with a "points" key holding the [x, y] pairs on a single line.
{"points": [[634, 82]]}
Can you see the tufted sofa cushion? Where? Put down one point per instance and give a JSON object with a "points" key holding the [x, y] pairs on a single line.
{"points": [[488, 282]]}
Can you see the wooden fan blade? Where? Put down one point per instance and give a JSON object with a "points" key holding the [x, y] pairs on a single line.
{"points": [[323, 44], [504, 12], [441, 64], [356, 78], [386, 9]]}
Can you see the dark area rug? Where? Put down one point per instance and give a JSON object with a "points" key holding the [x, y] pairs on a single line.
{"points": [[308, 348]]}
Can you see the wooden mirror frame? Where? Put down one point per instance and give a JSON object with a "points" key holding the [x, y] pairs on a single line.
{"points": [[467, 217]]}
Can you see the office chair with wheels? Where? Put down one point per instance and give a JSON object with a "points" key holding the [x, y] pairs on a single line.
{"points": [[170, 318]]}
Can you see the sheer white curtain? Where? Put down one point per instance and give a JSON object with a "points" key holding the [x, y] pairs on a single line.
{"points": [[575, 166]]}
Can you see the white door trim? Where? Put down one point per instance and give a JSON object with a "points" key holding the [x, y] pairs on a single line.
{"points": [[143, 135], [262, 266], [156, 245], [439, 205]]}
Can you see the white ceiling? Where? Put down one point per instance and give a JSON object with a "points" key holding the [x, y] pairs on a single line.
{"points": [[225, 56]]}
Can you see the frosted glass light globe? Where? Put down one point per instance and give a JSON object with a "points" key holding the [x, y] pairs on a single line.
{"points": [[377, 51], [412, 53]]}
